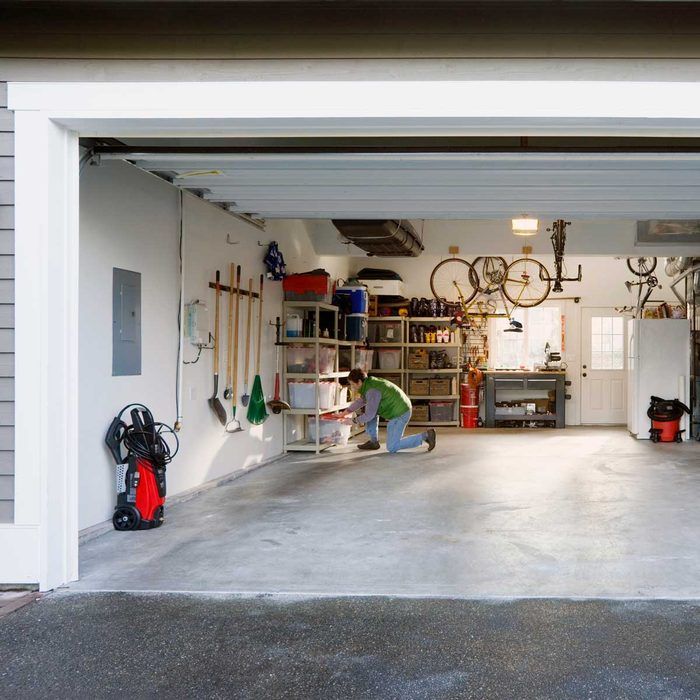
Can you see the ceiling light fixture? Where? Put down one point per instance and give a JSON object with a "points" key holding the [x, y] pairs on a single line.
{"points": [[525, 226]]}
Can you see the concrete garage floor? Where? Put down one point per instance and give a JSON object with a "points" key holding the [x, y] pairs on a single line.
{"points": [[580, 512]]}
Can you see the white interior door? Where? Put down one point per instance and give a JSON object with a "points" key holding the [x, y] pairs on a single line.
{"points": [[603, 367]]}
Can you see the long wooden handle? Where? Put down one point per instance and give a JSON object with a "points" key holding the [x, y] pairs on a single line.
{"points": [[216, 324], [260, 310], [229, 337], [235, 340], [247, 338]]}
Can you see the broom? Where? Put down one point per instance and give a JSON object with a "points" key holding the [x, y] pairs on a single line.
{"points": [[257, 413]]}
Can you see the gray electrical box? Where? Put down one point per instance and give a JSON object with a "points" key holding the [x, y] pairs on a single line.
{"points": [[126, 323]]}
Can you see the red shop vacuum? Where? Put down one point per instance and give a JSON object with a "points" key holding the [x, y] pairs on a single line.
{"points": [[141, 453], [666, 417]]}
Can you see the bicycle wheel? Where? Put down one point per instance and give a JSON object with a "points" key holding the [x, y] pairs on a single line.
{"points": [[493, 272], [642, 267], [524, 285], [452, 275]]}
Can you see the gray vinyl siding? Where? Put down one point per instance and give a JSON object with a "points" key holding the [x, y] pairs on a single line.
{"points": [[7, 316]]}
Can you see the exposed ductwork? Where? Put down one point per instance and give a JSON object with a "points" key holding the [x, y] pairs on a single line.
{"points": [[383, 238]]}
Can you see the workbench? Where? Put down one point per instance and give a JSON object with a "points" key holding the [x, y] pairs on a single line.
{"points": [[527, 385]]}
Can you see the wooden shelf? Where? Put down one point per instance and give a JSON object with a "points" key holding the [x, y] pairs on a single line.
{"points": [[430, 397], [430, 319], [386, 371], [432, 345], [434, 371], [386, 318]]}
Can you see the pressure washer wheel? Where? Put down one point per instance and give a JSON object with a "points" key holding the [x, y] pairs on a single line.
{"points": [[126, 518], [158, 516]]}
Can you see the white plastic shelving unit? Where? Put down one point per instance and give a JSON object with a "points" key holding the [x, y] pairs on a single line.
{"points": [[313, 311]]}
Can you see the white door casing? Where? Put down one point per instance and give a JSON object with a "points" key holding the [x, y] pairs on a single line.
{"points": [[41, 545], [603, 369]]}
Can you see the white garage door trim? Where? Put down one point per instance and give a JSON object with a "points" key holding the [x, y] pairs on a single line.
{"points": [[50, 117]]}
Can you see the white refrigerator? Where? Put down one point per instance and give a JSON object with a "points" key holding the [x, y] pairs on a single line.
{"points": [[658, 364]]}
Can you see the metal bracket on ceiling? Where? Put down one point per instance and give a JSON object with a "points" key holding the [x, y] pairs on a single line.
{"points": [[229, 241]]}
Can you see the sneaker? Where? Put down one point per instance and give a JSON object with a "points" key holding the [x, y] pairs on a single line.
{"points": [[430, 438], [369, 445]]}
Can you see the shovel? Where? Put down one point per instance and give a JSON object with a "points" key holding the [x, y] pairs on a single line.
{"points": [[246, 396], [234, 426], [257, 413], [214, 400], [276, 404], [229, 338]]}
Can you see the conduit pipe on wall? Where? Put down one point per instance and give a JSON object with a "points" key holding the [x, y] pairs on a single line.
{"points": [[181, 318]]}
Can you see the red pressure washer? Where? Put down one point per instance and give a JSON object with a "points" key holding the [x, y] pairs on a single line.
{"points": [[666, 417], [141, 472]]}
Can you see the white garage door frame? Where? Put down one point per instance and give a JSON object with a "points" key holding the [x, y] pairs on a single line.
{"points": [[41, 546]]}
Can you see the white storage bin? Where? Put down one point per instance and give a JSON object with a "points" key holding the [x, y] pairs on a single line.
{"points": [[333, 432], [389, 358], [302, 358], [303, 394], [391, 288]]}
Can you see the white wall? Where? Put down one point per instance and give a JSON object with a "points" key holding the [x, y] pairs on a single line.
{"points": [[129, 220]]}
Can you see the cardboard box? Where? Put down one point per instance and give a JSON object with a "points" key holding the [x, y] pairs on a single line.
{"points": [[418, 358], [441, 387], [420, 387], [420, 413]]}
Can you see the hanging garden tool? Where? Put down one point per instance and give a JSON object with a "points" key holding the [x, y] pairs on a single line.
{"points": [[214, 400], [246, 396], [257, 412], [276, 404], [234, 425], [229, 337]]}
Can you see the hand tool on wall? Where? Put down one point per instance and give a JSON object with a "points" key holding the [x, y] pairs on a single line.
{"points": [[229, 335], [257, 412], [276, 404], [246, 396], [234, 426], [214, 402]]}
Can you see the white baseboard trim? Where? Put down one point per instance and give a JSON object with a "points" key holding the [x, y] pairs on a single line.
{"points": [[90, 533]]}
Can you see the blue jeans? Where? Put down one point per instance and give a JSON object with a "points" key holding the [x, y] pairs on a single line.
{"points": [[394, 433]]}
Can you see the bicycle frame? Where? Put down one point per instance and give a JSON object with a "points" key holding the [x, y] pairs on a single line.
{"points": [[558, 244]]}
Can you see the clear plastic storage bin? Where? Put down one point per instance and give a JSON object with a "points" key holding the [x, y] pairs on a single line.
{"points": [[441, 411], [302, 358], [389, 358], [332, 432], [303, 394], [387, 331]]}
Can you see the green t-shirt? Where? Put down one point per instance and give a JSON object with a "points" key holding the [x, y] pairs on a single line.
{"points": [[394, 402]]}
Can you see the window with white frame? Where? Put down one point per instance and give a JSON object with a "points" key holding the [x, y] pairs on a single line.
{"points": [[607, 342], [541, 325]]}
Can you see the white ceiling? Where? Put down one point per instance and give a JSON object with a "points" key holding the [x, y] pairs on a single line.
{"points": [[439, 186]]}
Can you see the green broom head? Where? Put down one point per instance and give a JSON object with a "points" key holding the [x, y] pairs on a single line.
{"points": [[257, 413]]}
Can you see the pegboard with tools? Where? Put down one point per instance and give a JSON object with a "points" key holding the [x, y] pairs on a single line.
{"points": [[475, 346]]}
